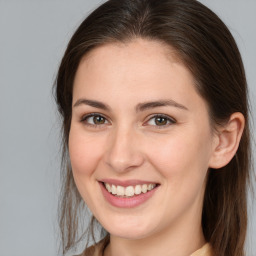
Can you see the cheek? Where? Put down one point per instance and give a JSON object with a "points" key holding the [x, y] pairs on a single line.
{"points": [[182, 161], [84, 152], [182, 157]]}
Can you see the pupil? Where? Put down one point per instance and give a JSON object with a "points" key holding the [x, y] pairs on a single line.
{"points": [[161, 121], [98, 120]]}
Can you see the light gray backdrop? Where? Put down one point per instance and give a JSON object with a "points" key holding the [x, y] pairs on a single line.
{"points": [[33, 36]]}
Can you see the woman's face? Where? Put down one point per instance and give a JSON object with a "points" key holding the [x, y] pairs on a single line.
{"points": [[140, 140]]}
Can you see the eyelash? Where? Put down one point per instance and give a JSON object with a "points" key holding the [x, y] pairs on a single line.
{"points": [[86, 117], [168, 119]]}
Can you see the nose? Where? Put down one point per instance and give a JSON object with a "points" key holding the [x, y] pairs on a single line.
{"points": [[123, 150]]}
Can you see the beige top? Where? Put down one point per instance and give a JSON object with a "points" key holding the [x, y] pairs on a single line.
{"points": [[98, 249]]}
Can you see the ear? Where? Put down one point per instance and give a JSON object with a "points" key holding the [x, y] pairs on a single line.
{"points": [[227, 141]]}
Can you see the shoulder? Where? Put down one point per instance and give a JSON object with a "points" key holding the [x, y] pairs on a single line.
{"points": [[206, 250], [96, 249], [89, 251]]}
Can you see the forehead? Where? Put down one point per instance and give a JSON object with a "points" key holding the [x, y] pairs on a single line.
{"points": [[137, 43], [139, 70], [136, 47], [136, 60]]}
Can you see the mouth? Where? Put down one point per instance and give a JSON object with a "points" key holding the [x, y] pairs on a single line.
{"points": [[128, 194], [129, 191]]}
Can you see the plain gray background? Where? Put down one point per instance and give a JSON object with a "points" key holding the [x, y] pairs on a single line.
{"points": [[33, 36]]}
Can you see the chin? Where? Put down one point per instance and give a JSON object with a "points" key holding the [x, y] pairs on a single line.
{"points": [[126, 231]]}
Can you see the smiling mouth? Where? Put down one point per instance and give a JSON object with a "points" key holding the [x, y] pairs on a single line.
{"points": [[129, 191]]}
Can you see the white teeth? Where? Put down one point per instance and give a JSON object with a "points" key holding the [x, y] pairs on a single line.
{"points": [[130, 190], [113, 189], [120, 191], [108, 187], [144, 188], [150, 186], [137, 189]]}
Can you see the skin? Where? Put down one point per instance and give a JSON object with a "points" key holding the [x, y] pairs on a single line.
{"points": [[128, 144]]}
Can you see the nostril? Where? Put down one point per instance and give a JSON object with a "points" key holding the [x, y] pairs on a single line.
{"points": [[123, 152], [124, 163]]}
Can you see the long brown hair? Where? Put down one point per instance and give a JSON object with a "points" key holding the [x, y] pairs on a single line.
{"points": [[205, 46]]}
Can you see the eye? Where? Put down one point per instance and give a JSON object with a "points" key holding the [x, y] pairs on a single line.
{"points": [[161, 121], [94, 119]]}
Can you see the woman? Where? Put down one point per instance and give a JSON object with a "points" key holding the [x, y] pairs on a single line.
{"points": [[155, 131]]}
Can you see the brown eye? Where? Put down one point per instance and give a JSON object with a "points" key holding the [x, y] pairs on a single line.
{"points": [[99, 120], [94, 119], [161, 120]]}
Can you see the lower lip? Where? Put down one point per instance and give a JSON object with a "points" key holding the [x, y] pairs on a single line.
{"points": [[126, 202]]}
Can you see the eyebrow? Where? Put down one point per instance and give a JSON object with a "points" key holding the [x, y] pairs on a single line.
{"points": [[92, 103], [139, 108], [159, 103]]}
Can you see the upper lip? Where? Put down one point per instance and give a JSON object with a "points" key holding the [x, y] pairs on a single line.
{"points": [[126, 183]]}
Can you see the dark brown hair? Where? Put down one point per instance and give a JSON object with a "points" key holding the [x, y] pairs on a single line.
{"points": [[206, 47]]}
